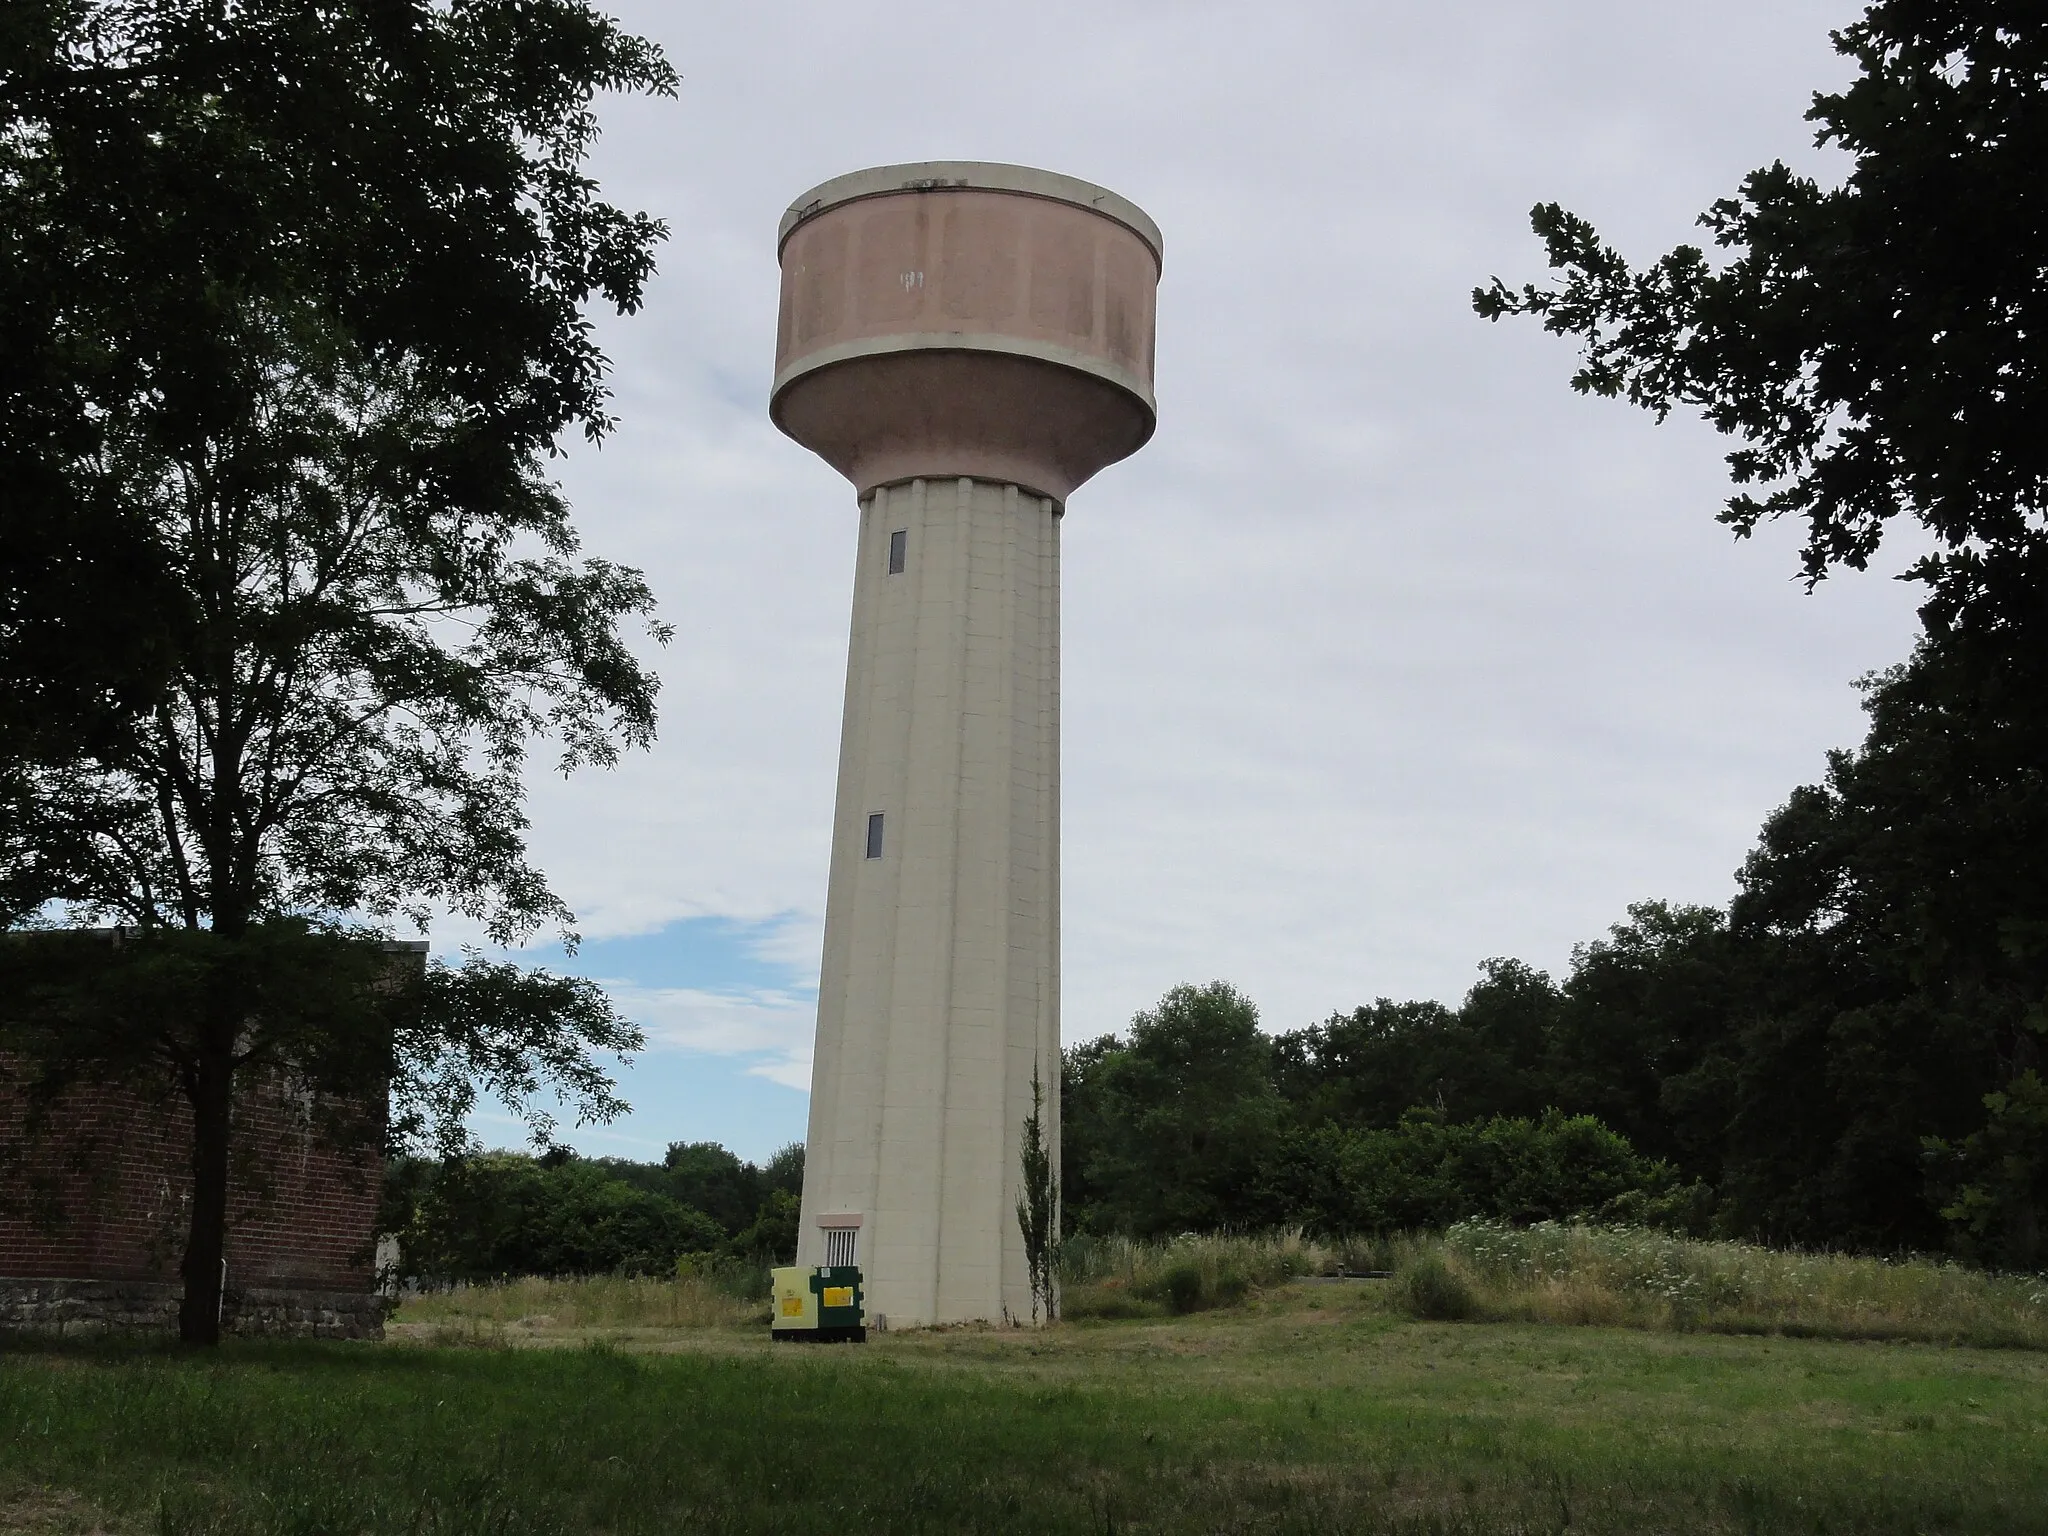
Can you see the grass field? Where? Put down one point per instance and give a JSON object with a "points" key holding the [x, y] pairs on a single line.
{"points": [[1312, 1407]]}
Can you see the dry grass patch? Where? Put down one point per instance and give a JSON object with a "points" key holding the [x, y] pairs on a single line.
{"points": [[503, 1313], [54, 1512]]}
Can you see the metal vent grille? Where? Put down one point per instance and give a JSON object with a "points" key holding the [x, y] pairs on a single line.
{"points": [[839, 1247]]}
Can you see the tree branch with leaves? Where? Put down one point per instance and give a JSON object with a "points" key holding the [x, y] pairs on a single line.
{"points": [[309, 286]]}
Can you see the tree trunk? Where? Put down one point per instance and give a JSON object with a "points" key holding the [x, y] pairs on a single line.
{"points": [[212, 1096]]}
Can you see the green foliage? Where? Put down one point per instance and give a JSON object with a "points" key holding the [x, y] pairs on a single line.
{"points": [[1882, 982], [1425, 1172], [1897, 914], [291, 320], [707, 1176], [1997, 1179], [1179, 1286], [1483, 1059], [1435, 1292], [1634, 1036], [1187, 1126], [493, 1215], [504, 1214], [1038, 1219], [1873, 344], [772, 1236], [1174, 1124]]}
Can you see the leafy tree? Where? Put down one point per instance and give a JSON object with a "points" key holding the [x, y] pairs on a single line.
{"points": [[1038, 1213], [785, 1170], [773, 1234], [1875, 346], [1997, 1179], [1426, 1171], [1366, 1067], [501, 1214], [315, 277], [1191, 1112], [1485, 1058], [1641, 1037], [1087, 1131], [705, 1175], [1901, 907]]}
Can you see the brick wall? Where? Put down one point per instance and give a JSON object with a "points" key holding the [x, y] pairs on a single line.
{"points": [[102, 1191]]}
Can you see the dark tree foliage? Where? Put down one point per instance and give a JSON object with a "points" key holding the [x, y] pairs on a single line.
{"points": [[299, 296], [708, 1177], [491, 1215], [1484, 1059], [1198, 1122], [1639, 1039], [1038, 1208], [1900, 913], [1175, 1123], [1866, 1034], [1426, 1171], [1876, 346], [501, 1214]]}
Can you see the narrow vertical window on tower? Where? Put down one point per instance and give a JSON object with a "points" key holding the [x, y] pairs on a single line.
{"points": [[875, 835], [899, 541], [839, 1245]]}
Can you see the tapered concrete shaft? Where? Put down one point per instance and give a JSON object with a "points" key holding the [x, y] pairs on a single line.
{"points": [[967, 344], [940, 989]]}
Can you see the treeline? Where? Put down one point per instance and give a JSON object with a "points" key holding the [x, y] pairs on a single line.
{"points": [[1849, 1055], [497, 1214]]}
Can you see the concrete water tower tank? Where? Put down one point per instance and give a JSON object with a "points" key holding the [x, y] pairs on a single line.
{"points": [[967, 344]]}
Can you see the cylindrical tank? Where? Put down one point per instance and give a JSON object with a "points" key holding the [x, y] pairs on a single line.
{"points": [[966, 344], [958, 319]]}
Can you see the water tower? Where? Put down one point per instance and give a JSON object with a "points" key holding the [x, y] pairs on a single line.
{"points": [[967, 344]]}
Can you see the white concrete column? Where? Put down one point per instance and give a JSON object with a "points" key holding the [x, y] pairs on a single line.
{"points": [[940, 986]]}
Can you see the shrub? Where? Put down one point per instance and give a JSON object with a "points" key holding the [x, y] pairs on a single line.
{"points": [[503, 1213], [1426, 1172], [1435, 1292], [1180, 1287]]}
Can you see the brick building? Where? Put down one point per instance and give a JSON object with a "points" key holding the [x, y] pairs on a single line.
{"points": [[94, 1207]]}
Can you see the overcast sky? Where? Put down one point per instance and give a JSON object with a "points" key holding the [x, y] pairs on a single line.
{"points": [[1388, 654]]}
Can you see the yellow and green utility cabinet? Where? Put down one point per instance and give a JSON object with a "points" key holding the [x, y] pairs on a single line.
{"points": [[823, 1304]]}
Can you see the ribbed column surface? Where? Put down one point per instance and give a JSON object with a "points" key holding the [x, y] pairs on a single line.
{"points": [[940, 987]]}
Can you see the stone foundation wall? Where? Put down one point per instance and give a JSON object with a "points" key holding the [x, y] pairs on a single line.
{"points": [[79, 1307]]}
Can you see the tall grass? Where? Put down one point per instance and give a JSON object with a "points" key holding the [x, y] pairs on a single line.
{"points": [[1554, 1273], [1576, 1275], [1483, 1271], [485, 1314], [1108, 1277]]}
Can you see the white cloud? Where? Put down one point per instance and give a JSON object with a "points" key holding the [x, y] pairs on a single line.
{"points": [[1389, 653], [774, 1025]]}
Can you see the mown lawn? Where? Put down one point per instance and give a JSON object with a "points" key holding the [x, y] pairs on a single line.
{"points": [[1315, 1409]]}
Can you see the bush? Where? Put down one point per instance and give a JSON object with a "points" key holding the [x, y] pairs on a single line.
{"points": [[1427, 1173], [502, 1214], [1180, 1287], [1435, 1292]]}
